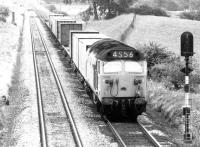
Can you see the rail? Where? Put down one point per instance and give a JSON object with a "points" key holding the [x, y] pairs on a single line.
{"points": [[122, 142], [153, 140], [43, 136]]}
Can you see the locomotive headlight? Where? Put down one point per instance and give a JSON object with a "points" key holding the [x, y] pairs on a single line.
{"points": [[109, 82], [137, 81]]}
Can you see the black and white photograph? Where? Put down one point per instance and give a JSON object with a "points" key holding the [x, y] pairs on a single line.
{"points": [[99, 73]]}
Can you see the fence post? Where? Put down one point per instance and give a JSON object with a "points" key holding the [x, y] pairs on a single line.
{"points": [[13, 18]]}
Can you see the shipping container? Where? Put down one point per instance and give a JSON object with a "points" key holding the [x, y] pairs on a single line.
{"points": [[51, 16], [57, 22], [64, 32], [72, 33], [80, 52], [62, 21]]}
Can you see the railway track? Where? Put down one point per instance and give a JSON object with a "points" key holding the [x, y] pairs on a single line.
{"points": [[57, 126], [131, 134]]}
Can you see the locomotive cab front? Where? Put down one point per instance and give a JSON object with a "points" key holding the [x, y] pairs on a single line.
{"points": [[122, 84], [120, 78]]}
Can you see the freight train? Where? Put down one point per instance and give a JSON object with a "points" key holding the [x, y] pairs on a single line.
{"points": [[113, 73]]}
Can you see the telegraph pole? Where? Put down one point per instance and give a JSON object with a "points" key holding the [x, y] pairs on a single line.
{"points": [[187, 51]]}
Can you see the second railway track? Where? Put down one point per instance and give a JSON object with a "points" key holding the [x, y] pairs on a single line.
{"points": [[57, 126]]}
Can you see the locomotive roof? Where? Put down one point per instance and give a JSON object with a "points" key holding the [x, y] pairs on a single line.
{"points": [[103, 49]]}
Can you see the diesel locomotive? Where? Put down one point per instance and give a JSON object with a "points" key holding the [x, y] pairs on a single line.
{"points": [[113, 73]]}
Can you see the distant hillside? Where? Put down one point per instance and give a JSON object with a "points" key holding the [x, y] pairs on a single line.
{"points": [[162, 30]]}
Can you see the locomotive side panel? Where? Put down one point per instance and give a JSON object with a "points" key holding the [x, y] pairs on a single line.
{"points": [[83, 44], [90, 64]]}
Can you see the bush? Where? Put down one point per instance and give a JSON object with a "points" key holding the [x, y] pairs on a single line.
{"points": [[147, 10], [165, 67], [51, 8], [171, 5], [172, 77], [192, 15], [159, 12], [2, 18], [169, 74], [4, 11], [114, 10], [85, 16], [155, 54]]}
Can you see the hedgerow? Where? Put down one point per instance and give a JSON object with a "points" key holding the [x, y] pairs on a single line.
{"points": [[51, 8], [85, 16], [155, 54], [192, 15], [147, 10], [4, 12]]}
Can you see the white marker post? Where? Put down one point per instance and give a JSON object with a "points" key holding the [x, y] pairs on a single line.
{"points": [[13, 17], [186, 51]]}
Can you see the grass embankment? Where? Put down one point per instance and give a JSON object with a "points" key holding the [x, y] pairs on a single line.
{"points": [[9, 47], [9, 40], [166, 32], [163, 30]]}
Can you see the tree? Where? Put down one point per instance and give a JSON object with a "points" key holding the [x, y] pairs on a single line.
{"points": [[109, 8], [195, 4], [94, 3], [67, 1]]}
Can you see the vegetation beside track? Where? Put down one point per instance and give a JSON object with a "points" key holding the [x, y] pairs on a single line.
{"points": [[11, 41], [165, 34], [163, 31]]}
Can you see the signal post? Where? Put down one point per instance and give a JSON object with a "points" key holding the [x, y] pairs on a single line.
{"points": [[187, 51]]}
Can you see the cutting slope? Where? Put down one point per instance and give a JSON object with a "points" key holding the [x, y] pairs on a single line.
{"points": [[165, 31]]}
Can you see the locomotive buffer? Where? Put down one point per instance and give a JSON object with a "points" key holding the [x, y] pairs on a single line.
{"points": [[187, 51]]}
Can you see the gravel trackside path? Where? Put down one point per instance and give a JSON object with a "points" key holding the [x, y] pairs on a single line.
{"points": [[21, 116]]}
